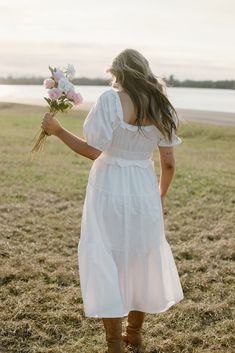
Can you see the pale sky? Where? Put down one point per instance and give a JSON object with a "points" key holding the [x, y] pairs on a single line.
{"points": [[189, 39]]}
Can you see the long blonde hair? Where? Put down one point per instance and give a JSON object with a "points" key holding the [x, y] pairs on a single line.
{"points": [[131, 69]]}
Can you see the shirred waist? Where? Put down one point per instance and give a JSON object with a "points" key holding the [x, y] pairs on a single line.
{"points": [[123, 162]]}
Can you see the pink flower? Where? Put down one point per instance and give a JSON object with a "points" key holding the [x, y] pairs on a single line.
{"points": [[49, 83], [70, 94], [54, 93], [58, 74], [77, 98]]}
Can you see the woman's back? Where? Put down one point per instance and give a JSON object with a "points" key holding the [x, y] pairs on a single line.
{"points": [[129, 111]]}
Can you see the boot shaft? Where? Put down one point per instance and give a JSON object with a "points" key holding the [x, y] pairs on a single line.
{"points": [[133, 335], [113, 333]]}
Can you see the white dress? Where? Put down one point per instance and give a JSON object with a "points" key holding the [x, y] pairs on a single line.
{"points": [[125, 262]]}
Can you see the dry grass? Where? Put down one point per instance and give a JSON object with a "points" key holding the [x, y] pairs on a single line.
{"points": [[40, 210]]}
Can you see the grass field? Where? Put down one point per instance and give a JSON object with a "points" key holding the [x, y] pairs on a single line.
{"points": [[40, 209]]}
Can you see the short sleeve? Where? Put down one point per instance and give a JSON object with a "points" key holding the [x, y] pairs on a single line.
{"points": [[176, 140], [98, 125]]}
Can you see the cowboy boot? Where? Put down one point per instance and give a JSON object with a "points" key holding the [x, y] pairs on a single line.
{"points": [[113, 331], [133, 336]]}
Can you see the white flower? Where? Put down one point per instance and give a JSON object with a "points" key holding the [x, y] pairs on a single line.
{"points": [[70, 70], [64, 84], [58, 74]]}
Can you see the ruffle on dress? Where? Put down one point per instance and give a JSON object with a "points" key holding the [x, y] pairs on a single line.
{"points": [[162, 141], [121, 121]]}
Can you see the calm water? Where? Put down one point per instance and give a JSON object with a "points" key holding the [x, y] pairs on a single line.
{"points": [[187, 98]]}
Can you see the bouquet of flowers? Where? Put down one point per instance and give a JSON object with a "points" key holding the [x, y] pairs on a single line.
{"points": [[62, 96]]}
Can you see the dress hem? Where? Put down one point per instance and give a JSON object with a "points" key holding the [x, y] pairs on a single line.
{"points": [[158, 311]]}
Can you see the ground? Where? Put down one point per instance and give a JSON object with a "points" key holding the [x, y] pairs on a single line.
{"points": [[40, 210]]}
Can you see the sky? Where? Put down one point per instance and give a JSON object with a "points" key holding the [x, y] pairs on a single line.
{"points": [[191, 39]]}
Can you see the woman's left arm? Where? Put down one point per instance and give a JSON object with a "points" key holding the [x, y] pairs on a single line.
{"points": [[52, 126]]}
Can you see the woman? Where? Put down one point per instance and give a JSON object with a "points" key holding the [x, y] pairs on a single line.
{"points": [[125, 262]]}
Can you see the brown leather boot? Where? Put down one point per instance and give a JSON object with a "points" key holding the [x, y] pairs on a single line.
{"points": [[133, 336], [113, 330]]}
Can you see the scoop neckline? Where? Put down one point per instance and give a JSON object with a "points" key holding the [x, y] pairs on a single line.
{"points": [[120, 104]]}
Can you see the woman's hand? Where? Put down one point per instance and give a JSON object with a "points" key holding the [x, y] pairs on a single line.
{"points": [[51, 125]]}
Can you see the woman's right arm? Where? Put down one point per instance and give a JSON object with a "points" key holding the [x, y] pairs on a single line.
{"points": [[77, 144], [53, 127]]}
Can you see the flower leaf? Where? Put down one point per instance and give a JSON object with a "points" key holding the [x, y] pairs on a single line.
{"points": [[51, 69], [48, 100], [70, 104]]}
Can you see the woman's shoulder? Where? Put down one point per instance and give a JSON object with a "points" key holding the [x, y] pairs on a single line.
{"points": [[108, 100], [108, 94]]}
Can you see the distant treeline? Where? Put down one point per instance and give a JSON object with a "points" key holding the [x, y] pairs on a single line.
{"points": [[85, 81], [38, 80], [225, 84]]}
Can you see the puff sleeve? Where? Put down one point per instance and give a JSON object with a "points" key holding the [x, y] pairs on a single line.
{"points": [[98, 125]]}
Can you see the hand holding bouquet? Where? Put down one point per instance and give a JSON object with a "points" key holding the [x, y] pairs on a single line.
{"points": [[62, 97]]}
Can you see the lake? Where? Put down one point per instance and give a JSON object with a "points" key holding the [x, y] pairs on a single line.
{"points": [[218, 100]]}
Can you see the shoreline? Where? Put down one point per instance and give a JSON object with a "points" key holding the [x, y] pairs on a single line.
{"points": [[185, 115], [206, 116]]}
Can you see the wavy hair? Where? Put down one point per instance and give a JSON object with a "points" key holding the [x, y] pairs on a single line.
{"points": [[147, 91]]}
